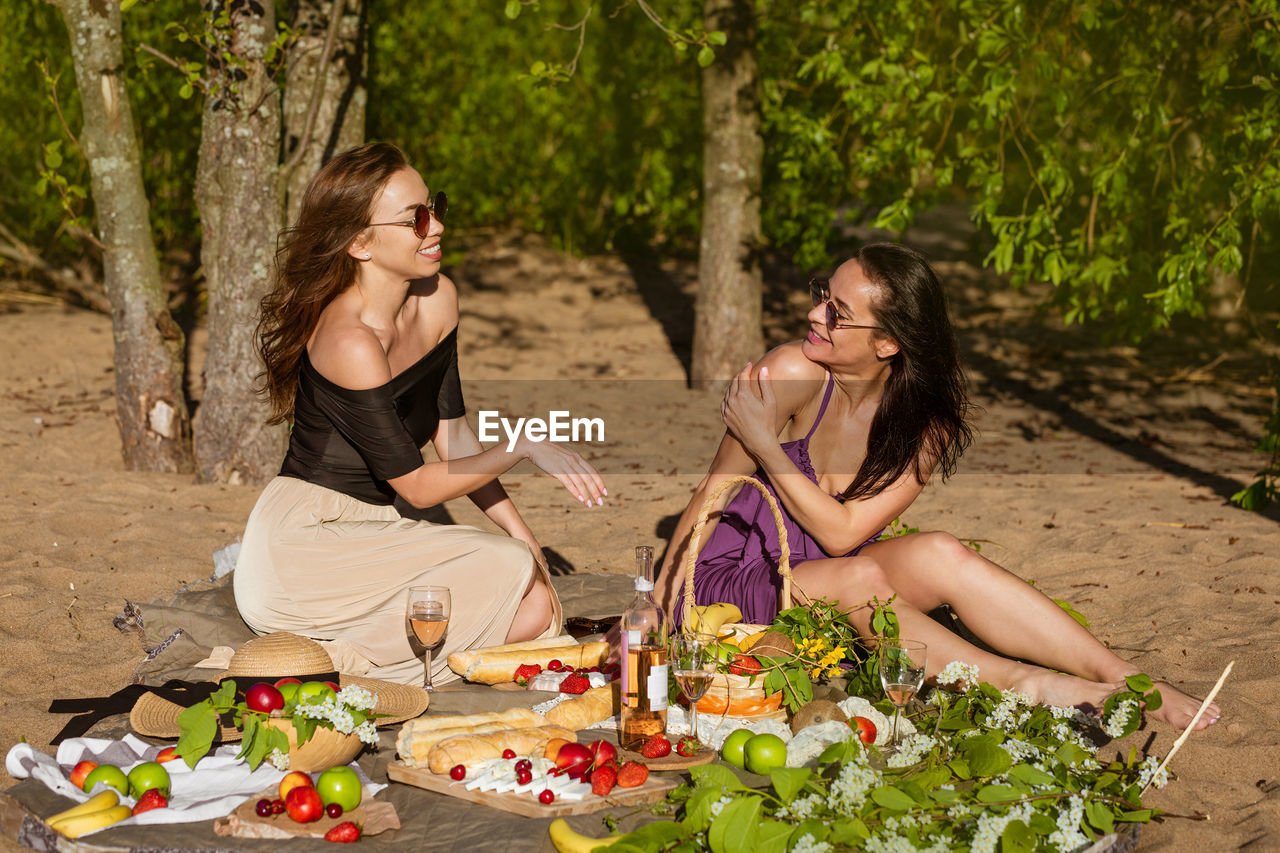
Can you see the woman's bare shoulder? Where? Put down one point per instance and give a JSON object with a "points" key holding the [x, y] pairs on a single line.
{"points": [[348, 352], [788, 361], [436, 305]]}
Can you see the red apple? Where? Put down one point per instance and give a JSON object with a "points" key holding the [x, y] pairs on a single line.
{"points": [[281, 681], [865, 728], [304, 805], [602, 752], [81, 770], [169, 753], [574, 759], [264, 698], [336, 688]]}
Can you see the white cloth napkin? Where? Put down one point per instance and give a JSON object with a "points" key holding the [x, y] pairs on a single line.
{"points": [[218, 784]]}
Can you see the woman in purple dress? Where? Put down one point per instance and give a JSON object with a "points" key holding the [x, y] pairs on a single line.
{"points": [[844, 428]]}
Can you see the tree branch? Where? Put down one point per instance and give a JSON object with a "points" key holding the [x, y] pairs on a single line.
{"points": [[87, 290], [317, 92]]}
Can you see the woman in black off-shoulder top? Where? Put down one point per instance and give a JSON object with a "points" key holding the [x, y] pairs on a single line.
{"points": [[359, 339]]}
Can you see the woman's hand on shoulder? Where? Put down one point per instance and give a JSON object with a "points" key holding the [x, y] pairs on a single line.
{"points": [[350, 356], [763, 397]]}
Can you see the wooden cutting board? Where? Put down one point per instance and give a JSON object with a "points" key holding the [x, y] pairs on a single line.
{"points": [[526, 804]]}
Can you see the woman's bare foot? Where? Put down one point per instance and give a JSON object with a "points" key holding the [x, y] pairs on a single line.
{"points": [[1178, 708], [1047, 687]]}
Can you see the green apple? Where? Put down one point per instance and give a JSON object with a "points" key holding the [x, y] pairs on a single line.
{"points": [[732, 749], [314, 693], [148, 776], [109, 774], [765, 753], [340, 785]]}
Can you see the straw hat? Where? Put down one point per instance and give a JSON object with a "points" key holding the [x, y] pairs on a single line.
{"points": [[277, 656]]}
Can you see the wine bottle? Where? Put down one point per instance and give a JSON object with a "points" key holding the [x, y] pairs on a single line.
{"points": [[643, 660]]}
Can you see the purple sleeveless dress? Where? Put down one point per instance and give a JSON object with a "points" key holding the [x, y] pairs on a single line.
{"points": [[739, 562]]}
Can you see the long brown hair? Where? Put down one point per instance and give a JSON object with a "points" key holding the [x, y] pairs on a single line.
{"points": [[924, 409], [312, 264]]}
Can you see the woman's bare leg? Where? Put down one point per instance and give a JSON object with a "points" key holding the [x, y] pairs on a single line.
{"points": [[533, 617], [928, 570]]}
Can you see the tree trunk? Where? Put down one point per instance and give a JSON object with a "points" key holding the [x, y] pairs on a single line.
{"points": [[337, 118], [727, 326], [240, 214], [155, 429]]}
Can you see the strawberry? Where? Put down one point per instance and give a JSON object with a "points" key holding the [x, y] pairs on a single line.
{"points": [[603, 778], [344, 833], [656, 747], [525, 671], [688, 746], [152, 799], [575, 684], [632, 774], [744, 665]]}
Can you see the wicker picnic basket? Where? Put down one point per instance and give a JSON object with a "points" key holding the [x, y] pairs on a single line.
{"points": [[734, 695]]}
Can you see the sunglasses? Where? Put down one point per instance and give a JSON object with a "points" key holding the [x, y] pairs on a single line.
{"points": [[820, 292], [421, 222]]}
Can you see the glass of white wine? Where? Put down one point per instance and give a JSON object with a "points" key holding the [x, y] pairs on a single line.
{"points": [[902, 674], [427, 609], [693, 661]]}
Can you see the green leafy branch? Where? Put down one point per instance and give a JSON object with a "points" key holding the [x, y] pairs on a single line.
{"points": [[71, 191]]}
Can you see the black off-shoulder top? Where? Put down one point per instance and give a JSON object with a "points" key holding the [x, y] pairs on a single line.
{"points": [[354, 441]]}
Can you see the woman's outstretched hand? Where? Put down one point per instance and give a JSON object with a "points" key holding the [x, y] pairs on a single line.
{"points": [[573, 472], [749, 410]]}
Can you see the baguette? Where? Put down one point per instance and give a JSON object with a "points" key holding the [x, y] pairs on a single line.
{"points": [[459, 661], [489, 667], [594, 706], [470, 749]]}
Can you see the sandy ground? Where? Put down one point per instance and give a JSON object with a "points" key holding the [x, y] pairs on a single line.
{"points": [[1100, 471]]}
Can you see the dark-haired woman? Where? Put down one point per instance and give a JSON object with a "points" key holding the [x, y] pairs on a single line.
{"points": [[845, 427], [359, 340]]}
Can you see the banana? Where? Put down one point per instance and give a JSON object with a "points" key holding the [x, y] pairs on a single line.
{"points": [[566, 840], [81, 824], [105, 800], [707, 618]]}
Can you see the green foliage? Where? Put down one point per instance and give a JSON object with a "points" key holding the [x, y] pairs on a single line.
{"points": [[996, 772], [608, 159]]}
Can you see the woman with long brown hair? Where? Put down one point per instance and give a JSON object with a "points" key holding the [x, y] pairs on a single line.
{"points": [[845, 427], [359, 340]]}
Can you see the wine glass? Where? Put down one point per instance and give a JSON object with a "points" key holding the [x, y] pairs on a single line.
{"points": [[693, 662], [428, 610], [902, 674]]}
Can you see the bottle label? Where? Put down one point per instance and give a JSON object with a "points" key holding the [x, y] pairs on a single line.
{"points": [[657, 687]]}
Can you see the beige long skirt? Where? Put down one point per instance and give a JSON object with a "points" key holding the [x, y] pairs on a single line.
{"points": [[333, 568]]}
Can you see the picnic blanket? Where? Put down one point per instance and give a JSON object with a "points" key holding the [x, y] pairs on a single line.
{"points": [[182, 631]]}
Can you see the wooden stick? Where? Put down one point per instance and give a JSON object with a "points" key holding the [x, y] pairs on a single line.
{"points": [[1177, 744]]}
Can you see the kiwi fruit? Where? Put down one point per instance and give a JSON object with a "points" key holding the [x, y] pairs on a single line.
{"points": [[815, 712], [774, 644]]}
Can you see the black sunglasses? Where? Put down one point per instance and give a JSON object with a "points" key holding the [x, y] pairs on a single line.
{"points": [[820, 292], [421, 222]]}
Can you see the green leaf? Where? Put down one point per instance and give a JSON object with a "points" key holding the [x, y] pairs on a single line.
{"points": [[716, 776], [1153, 700], [789, 781], [1139, 683], [1099, 815], [734, 829], [1031, 775], [1138, 816], [998, 793], [706, 56], [892, 798], [1017, 838], [849, 832], [718, 37], [1071, 755], [697, 811], [199, 725], [771, 836], [512, 9], [985, 756]]}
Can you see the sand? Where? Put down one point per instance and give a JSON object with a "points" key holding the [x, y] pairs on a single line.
{"points": [[1100, 471]]}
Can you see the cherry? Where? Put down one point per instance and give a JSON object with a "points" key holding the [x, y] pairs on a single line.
{"points": [[277, 806], [523, 777], [508, 753], [555, 666], [458, 773], [333, 810], [524, 764], [547, 797], [263, 808]]}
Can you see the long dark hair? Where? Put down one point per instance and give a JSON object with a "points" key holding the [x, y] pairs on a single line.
{"points": [[924, 409], [312, 264]]}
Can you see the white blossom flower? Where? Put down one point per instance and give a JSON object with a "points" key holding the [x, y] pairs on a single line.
{"points": [[279, 760], [1067, 835], [1151, 771], [718, 805], [802, 808], [991, 825], [958, 673], [849, 789], [1115, 724], [367, 732], [912, 750], [891, 842], [356, 697], [807, 844]]}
